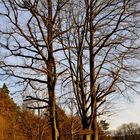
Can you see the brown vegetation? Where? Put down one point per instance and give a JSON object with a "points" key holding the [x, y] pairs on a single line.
{"points": [[23, 124]]}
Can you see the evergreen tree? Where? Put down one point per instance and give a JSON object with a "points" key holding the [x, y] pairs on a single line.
{"points": [[5, 88]]}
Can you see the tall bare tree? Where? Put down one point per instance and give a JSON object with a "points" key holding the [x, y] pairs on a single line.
{"points": [[102, 55], [28, 48]]}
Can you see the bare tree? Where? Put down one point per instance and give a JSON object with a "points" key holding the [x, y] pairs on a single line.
{"points": [[130, 131], [102, 53], [29, 48]]}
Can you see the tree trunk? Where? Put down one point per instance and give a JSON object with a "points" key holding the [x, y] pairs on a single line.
{"points": [[52, 99], [51, 76], [95, 129], [55, 132], [86, 127], [94, 124], [87, 137]]}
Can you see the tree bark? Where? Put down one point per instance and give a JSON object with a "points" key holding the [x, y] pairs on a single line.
{"points": [[51, 77], [95, 129], [94, 124]]}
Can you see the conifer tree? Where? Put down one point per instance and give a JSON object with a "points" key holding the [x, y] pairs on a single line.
{"points": [[5, 88]]}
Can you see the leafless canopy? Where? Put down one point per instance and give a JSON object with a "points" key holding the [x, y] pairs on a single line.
{"points": [[90, 45]]}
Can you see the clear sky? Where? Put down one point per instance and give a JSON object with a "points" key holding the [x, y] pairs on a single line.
{"points": [[128, 112]]}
